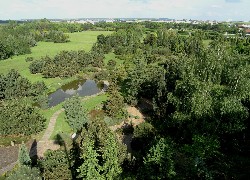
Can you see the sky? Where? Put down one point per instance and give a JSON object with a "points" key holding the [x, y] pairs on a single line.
{"points": [[222, 10]]}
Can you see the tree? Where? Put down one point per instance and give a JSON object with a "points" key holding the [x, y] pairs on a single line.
{"points": [[76, 115], [102, 153], [25, 173], [159, 164], [18, 117], [23, 156], [90, 168], [111, 167], [55, 165], [115, 104]]}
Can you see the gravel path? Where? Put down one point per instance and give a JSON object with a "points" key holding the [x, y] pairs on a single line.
{"points": [[7, 168], [45, 143], [40, 147], [51, 125]]}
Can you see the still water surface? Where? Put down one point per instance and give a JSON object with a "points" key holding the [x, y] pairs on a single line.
{"points": [[82, 87]]}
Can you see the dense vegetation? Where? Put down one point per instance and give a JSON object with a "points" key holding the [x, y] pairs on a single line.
{"points": [[200, 98], [66, 63], [17, 115], [197, 95], [16, 39]]}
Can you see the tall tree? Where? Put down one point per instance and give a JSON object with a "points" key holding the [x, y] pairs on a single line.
{"points": [[159, 164], [111, 167], [102, 153], [90, 168], [76, 115]]}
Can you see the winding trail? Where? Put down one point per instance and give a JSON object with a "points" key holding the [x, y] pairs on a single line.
{"points": [[136, 119], [44, 143]]}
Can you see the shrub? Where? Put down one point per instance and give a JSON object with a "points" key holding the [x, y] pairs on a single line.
{"points": [[17, 117], [55, 165], [25, 172], [102, 75], [36, 66], [29, 59]]}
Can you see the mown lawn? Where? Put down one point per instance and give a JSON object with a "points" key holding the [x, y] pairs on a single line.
{"points": [[112, 56], [61, 124], [206, 42], [78, 41]]}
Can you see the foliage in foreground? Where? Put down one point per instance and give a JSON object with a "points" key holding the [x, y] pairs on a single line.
{"points": [[25, 173], [102, 153], [23, 156], [55, 165]]}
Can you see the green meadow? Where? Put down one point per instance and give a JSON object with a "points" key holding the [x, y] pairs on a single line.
{"points": [[78, 41], [61, 125]]}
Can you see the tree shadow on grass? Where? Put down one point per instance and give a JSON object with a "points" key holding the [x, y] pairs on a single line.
{"points": [[33, 153], [73, 155]]}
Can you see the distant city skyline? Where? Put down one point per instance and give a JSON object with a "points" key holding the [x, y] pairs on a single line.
{"points": [[221, 10]]}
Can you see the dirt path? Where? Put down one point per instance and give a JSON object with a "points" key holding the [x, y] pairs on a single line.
{"points": [[51, 125], [40, 147], [45, 143], [136, 118], [7, 168]]}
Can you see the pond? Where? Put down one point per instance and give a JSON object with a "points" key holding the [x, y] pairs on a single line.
{"points": [[82, 87]]}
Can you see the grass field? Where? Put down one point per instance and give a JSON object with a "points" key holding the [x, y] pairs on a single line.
{"points": [[78, 41], [61, 124], [206, 42], [112, 56]]}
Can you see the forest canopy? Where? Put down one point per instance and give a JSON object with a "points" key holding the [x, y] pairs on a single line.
{"points": [[191, 82]]}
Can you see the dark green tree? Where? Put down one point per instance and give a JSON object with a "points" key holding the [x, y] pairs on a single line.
{"points": [[55, 165], [114, 106], [18, 117], [158, 163], [90, 167], [76, 115], [102, 153]]}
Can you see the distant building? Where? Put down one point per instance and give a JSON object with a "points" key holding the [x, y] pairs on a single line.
{"points": [[247, 31], [109, 20]]}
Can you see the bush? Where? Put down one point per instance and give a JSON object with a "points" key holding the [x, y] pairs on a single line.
{"points": [[112, 121], [56, 37], [66, 63], [90, 69], [143, 135], [36, 66], [17, 117], [24, 173], [55, 165], [144, 130], [29, 59], [111, 64], [102, 75]]}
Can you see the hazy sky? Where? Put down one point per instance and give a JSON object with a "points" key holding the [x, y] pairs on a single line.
{"points": [[178, 9]]}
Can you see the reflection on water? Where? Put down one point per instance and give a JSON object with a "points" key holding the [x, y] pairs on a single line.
{"points": [[81, 87], [73, 85]]}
